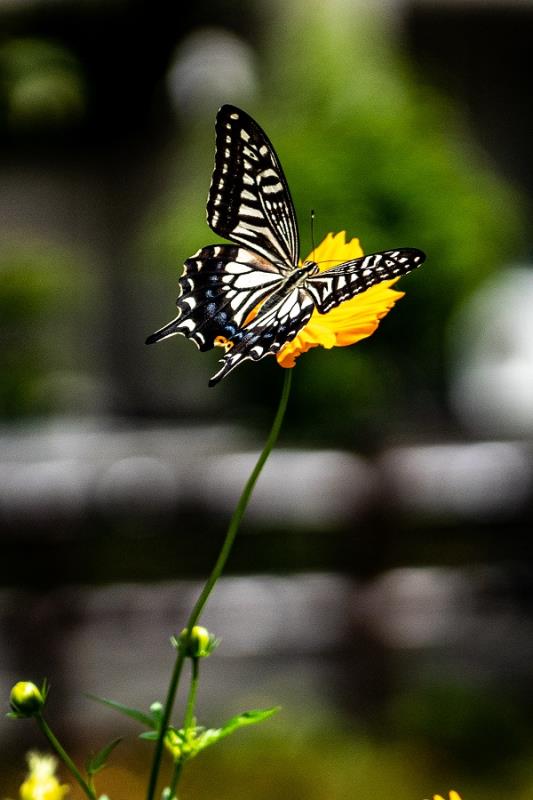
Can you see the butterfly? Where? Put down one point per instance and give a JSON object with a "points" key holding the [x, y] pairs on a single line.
{"points": [[251, 296]]}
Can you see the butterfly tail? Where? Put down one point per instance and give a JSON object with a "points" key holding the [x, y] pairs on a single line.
{"points": [[227, 367], [170, 329]]}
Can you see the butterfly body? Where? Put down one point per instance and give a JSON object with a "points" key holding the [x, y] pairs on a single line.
{"points": [[252, 296]]}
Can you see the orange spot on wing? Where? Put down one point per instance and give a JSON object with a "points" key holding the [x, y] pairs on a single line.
{"points": [[221, 341]]}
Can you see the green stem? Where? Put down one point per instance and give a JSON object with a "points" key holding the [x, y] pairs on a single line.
{"points": [[175, 780], [243, 502], [167, 711], [193, 690], [215, 575], [187, 722], [64, 756]]}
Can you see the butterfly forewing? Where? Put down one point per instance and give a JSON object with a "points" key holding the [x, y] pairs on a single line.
{"points": [[249, 201], [220, 286], [330, 287]]}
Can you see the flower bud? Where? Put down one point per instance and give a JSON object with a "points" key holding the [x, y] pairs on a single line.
{"points": [[173, 743], [199, 644], [26, 700]]}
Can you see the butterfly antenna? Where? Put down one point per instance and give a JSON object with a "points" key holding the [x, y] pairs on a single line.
{"points": [[313, 230]]}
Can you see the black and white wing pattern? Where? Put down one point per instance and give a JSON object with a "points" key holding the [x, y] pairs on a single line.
{"points": [[332, 286], [249, 200], [220, 286], [288, 310], [251, 297], [278, 322]]}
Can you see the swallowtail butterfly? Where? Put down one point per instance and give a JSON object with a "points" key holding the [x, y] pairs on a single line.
{"points": [[249, 203]]}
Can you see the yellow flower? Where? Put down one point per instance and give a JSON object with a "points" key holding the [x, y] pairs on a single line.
{"points": [[453, 796], [41, 782], [354, 319]]}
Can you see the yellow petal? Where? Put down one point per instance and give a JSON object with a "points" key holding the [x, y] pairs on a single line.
{"points": [[352, 320], [334, 249], [41, 782], [47, 789], [453, 796]]}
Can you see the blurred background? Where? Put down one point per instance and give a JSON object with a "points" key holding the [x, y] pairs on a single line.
{"points": [[381, 587]]}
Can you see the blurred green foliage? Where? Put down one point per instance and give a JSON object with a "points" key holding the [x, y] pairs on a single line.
{"points": [[41, 85], [346, 766], [327, 763], [376, 153], [38, 299], [482, 730]]}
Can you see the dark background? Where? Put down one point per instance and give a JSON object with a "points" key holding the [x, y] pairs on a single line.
{"points": [[381, 586]]}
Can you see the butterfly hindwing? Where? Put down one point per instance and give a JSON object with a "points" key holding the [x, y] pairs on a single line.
{"points": [[279, 320], [220, 286], [249, 200], [285, 313], [332, 286]]}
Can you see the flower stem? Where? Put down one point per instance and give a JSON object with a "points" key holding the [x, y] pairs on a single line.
{"points": [[64, 756], [167, 711], [216, 573], [191, 700], [243, 502], [175, 780], [187, 722]]}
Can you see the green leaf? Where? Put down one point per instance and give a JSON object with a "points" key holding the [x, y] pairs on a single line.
{"points": [[134, 713], [45, 688], [152, 736], [212, 735], [98, 761], [248, 718]]}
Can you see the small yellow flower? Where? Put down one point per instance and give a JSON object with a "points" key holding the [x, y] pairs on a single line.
{"points": [[41, 782], [354, 319], [453, 796]]}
